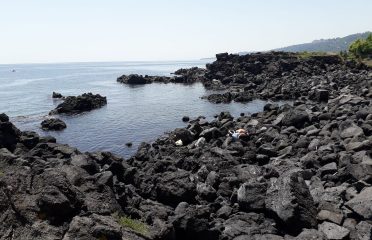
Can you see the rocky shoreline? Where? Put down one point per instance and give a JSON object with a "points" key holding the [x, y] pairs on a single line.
{"points": [[78, 104], [283, 76], [185, 76], [269, 76], [305, 172]]}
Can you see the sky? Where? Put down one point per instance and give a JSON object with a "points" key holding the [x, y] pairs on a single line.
{"points": [[36, 31]]}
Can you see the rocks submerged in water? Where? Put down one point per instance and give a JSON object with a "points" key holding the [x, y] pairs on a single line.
{"points": [[191, 75], [55, 124], [79, 104], [57, 95], [135, 79]]}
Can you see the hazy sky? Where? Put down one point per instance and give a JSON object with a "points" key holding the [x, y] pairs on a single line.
{"points": [[121, 30]]}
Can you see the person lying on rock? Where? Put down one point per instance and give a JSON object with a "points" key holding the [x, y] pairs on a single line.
{"points": [[238, 134]]}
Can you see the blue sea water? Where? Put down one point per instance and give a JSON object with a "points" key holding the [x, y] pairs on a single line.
{"points": [[133, 113]]}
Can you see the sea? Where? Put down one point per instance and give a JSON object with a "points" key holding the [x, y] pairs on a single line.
{"points": [[135, 114]]}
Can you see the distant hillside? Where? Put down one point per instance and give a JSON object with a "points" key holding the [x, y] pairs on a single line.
{"points": [[325, 45]]}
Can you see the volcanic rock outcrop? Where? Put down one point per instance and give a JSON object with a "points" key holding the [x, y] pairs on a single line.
{"points": [[304, 172], [79, 104], [55, 124], [191, 75]]}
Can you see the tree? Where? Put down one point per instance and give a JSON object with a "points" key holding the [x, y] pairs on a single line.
{"points": [[362, 48]]}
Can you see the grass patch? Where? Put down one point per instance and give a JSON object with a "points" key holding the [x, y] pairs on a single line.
{"points": [[368, 62], [134, 224], [305, 55]]}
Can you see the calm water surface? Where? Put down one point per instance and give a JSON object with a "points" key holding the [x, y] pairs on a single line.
{"points": [[133, 113]]}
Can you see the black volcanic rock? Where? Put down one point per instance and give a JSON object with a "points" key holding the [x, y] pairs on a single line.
{"points": [[57, 95], [281, 76], [290, 199], [296, 118], [9, 134], [82, 103], [185, 119], [191, 75], [135, 79], [4, 117], [53, 124], [303, 171]]}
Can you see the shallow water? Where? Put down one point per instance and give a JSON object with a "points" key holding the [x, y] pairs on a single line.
{"points": [[133, 113]]}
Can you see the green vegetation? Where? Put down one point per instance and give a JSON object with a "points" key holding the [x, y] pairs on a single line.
{"points": [[362, 48], [136, 225], [368, 62], [326, 45], [305, 54]]}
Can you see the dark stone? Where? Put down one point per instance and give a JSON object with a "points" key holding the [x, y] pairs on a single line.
{"points": [[56, 95], [251, 196], [82, 103], [133, 79], [29, 139], [175, 187], [295, 118], [333, 231], [320, 95], [9, 134], [53, 124], [210, 133], [182, 134], [185, 119], [4, 117], [290, 199], [361, 203]]}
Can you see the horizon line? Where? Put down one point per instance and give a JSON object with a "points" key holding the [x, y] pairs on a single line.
{"points": [[108, 61]]}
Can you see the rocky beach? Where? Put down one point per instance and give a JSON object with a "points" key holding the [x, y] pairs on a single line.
{"points": [[303, 172]]}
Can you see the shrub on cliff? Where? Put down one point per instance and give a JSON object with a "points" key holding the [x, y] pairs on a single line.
{"points": [[362, 48], [136, 225]]}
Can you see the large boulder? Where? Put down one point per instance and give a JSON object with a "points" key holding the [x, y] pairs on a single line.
{"points": [[9, 134], [296, 118], [349, 129], [363, 231], [99, 227], [53, 124], [310, 234], [251, 196], [247, 226], [182, 134], [362, 203], [193, 222], [82, 103], [133, 79], [56, 95], [211, 133], [175, 187], [334, 231], [320, 95], [29, 139], [289, 198]]}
